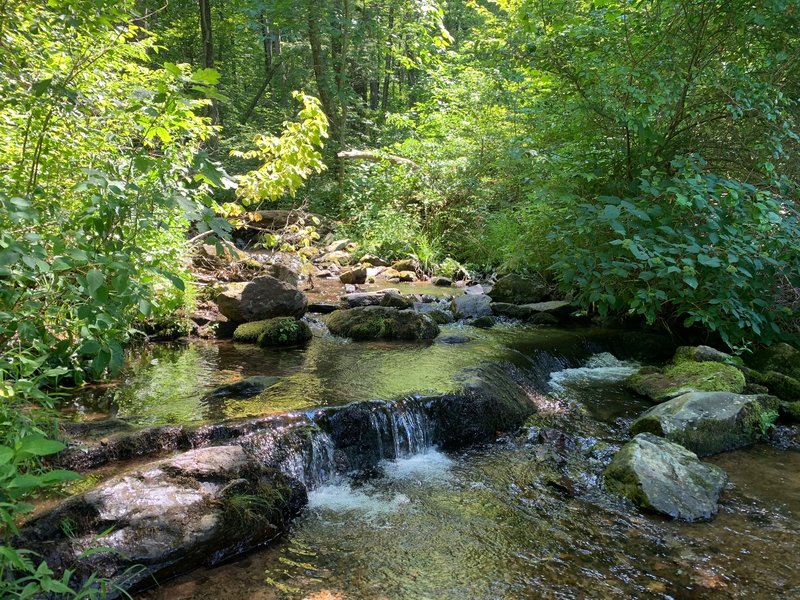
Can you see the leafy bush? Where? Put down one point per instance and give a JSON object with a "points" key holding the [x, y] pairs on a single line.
{"points": [[693, 246]]}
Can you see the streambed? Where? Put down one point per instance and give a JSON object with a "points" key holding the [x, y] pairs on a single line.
{"points": [[525, 517]]}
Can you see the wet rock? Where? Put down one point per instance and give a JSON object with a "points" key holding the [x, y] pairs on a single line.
{"points": [[780, 358], [380, 322], [701, 354], [543, 319], [512, 311], [284, 331], [340, 257], [360, 299], [397, 301], [283, 273], [439, 313], [685, 376], [516, 289], [710, 422], [323, 308], [454, 339], [486, 322], [660, 476], [471, 306], [251, 386], [167, 517], [354, 276], [263, 298], [557, 308], [441, 281]]}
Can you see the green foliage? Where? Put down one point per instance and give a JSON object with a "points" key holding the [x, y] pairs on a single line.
{"points": [[288, 160], [656, 254]]}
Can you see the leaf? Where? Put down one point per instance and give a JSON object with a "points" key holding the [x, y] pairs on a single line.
{"points": [[36, 445]]}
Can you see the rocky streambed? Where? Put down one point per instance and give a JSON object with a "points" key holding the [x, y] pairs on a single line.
{"points": [[483, 463]]}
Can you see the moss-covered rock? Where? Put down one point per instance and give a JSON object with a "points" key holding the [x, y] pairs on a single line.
{"points": [[710, 422], [701, 354], [781, 358], [397, 301], [516, 289], [685, 376], [382, 322], [790, 411], [284, 331], [248, 333], [658, 475], [438, 312]]}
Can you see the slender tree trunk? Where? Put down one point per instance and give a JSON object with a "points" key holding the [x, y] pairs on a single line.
{"points": [[208, 50]]}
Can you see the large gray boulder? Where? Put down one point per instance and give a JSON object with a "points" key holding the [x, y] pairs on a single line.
{"points": [[438, 312], [263, 298], [471, 306], [710, 422], [382, 322], [666, 478], [516, 289], [164, 518]]}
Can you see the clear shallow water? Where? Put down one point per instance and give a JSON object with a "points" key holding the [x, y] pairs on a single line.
{"points": [[168, 384], [519, 520]]}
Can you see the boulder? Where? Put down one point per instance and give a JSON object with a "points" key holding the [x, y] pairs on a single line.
{"points": [[710, 422], [340, 257], [543, 319], [663, 477], [373, 260], [778, 369], [323, 308], [392, 273], [685, 376], [199, 508], [283, 273], [407, 264], [251, 386], [284, 331], [263, 298], [439, 313], [354, 276], [360, 299], [516, 289], [441, 281], [512, 311], [381, 322], [471, 306], [397, 301], [557, 308], [485, 322], [701, 354], [781, 358]]}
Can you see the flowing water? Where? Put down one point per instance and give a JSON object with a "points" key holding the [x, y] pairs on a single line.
{"points": [[524, 517]]}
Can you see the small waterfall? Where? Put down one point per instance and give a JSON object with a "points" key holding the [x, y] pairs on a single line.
{"points": [[402, 428]]}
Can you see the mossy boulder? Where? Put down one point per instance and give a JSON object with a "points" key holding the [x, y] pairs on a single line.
{"points": [[397, 301], [382, 322], [438, 312], [790, 411], [248, 333], [710, 422], [685, 376], [516, 289], [284, 332], [666, 478], [781, 358], [701, 354]]}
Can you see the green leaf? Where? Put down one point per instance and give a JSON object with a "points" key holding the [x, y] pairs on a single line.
{"points": [[35, 445]]}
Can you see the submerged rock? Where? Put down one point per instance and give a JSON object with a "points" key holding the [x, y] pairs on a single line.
{"points": [[198, 508], [710, 422], [381, 322], [516, 289], [263, 298], [686, 376], [252, 386], [666, 478], [471, 306]]}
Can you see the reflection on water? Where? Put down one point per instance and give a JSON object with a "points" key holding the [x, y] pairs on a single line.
{"points": [[168, 384], [489, 524]]}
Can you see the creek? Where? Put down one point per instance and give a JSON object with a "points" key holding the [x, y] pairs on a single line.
{"points": [[523, 516]]}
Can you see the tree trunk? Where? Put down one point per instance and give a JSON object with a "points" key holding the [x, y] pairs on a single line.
{"points": [[208, 50]]}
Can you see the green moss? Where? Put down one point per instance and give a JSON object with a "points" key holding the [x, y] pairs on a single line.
{"points": [[781, 358], [790, 411], [686, 376], [379, 322], [284, 331], [250, 332], [785, 387]]}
